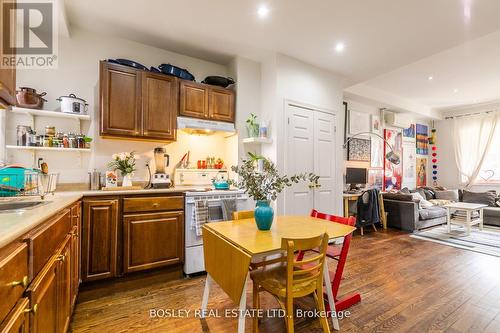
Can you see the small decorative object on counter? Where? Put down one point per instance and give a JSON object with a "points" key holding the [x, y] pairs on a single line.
{"points": [[95, 180], [263, 130], [265, 185], [252, 126], [111, 178], [125, 163]]}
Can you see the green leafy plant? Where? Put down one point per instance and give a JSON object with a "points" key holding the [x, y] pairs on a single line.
{"points": [[252, 125], [124, 162], [267, 183]]}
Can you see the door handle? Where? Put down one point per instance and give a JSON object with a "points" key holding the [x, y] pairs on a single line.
{"points": [[34, 309], [312, 185]]}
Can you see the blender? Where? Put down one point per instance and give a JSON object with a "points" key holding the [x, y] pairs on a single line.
{"points": [[160, 178]]}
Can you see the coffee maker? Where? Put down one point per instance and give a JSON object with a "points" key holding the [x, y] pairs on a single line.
{"points": [[160, 178]]}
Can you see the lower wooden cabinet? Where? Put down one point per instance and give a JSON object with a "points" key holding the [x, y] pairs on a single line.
{"points": [[75, 252], [18, 319], [99, 239], [152, 240], [64, 264]]}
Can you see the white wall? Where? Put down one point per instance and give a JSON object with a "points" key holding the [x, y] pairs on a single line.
{"points": [[78, 73], [288, 79]]}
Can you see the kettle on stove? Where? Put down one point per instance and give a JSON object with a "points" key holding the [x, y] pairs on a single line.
{"points": [[220, 181]]}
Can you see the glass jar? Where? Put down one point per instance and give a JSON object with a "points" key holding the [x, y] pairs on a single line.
{"points": [[46, 141], [72, 140], [50, 130], [65, 141], [80, 141]]}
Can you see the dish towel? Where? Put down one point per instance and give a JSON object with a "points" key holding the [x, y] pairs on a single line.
{"points": [[228, 207], [200, 216]]}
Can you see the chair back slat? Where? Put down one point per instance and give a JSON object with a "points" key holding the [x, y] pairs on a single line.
{"points": [[351, 220], [243, 214]]}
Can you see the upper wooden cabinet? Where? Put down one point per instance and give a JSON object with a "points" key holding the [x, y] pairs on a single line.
{"points": [[7, 75], [137, 104], [204, 101]]}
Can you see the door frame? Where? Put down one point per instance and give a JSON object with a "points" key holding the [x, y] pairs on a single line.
{"points": [[338, 152]]}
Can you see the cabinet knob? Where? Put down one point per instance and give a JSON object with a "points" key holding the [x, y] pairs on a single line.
{"points": [[34, 309], [75, 234], [61, 257], [23, 282], [155, 204], [312, 186]]}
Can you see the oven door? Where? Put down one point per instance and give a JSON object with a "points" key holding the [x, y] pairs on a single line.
{"points": [[214, 215]]}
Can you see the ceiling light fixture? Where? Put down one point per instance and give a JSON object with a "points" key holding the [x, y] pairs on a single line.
{"points": [[339, 47], [455, 91], [430, 78], [263, 11]]}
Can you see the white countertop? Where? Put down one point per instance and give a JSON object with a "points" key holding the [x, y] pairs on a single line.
{"points": [[16, 224]]}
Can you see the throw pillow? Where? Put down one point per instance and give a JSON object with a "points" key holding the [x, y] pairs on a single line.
{"points": [[451, 195], [485, 198], [404, 190], [422, 202]]}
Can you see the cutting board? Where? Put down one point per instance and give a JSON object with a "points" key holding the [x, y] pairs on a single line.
{"points": [[122, 188]]}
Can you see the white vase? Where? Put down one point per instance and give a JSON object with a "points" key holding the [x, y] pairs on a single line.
{"points": [[127, 180]]}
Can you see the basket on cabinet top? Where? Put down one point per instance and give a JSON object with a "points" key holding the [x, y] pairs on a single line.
{"points": [[16, 181]]}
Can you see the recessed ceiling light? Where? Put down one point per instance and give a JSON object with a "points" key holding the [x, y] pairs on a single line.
{"points": [[263, 11], [339, 47], [430, 78], [455, 91]]}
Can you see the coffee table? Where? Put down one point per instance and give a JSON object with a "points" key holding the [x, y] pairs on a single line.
{"points": [[467, 218]]}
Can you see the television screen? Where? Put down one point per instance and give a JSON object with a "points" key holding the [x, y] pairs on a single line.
{"points": [[356, 176]]}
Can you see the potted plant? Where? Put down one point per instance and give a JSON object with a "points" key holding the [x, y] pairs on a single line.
{"points": [[260, 179], [252, 126], [125, 163]]}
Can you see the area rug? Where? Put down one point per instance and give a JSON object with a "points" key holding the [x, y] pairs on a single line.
{"points": [[486, 241]]}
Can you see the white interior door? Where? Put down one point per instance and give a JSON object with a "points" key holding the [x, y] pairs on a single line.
{"points": [[299, 198], [324, 161], [310, 148]]}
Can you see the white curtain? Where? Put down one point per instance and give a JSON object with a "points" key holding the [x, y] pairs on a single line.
{"points": [[472, 138]]}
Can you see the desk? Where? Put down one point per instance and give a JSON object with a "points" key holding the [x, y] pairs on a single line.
{"points": [[230, 246]]}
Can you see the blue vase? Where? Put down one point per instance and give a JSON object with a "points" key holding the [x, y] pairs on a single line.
{"points": [[264, 215]]}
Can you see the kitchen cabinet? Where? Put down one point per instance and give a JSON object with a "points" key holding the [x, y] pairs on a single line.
{"points": [[164, 245], [13, 276], [137, 104], [8, 75], [99, 239], [63, 269], [75, 252], [204, 101], [18, 319]]}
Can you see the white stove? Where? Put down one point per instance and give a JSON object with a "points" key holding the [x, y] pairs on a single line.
{"points": [[202, 181]]}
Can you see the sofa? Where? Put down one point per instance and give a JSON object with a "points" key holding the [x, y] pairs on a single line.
{"points": [[407, 213]]}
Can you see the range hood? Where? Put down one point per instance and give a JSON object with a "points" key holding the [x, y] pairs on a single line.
{"points": [[202, 126]]}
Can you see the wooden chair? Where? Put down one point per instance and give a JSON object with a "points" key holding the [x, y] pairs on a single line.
{"points": [[339, 253], [243, 214], [289, 279]]}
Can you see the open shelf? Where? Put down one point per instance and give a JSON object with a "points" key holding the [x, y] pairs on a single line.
{"points": [[257, 140], [83, 150], [47, 113]]}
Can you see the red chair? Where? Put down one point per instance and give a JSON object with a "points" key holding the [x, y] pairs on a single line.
{"points": [[339, 253]]}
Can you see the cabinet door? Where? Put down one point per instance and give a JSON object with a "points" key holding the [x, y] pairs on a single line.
{"points": [[8, 74], [120, 101], [75, 252], [43, 300], [63, 269], [193, 100], [18, 319], [159, 106], [99, 239], [152, 240], [221, 105]]}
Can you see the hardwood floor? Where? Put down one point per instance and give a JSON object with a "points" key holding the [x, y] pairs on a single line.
{"points": [[406, 285]]}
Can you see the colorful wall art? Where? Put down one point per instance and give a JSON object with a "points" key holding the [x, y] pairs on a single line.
{"points": [[422, 132], [409, 133], [393, 173], [376, 178], [421, 172], [409, 161], [358, 150]]}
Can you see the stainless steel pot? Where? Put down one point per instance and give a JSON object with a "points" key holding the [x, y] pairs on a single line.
{"points": [[73, 104]]}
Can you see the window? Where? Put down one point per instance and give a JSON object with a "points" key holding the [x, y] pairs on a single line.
{"points": [[490, 171]]}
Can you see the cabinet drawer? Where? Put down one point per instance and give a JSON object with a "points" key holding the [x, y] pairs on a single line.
{"points": [[18, 319], [152, 204], [45, 241], [13, 276]]}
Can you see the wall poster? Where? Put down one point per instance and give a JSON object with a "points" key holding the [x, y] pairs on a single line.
{"points": [[409, 161], [422, 132], [393, 173], [421, 172]]}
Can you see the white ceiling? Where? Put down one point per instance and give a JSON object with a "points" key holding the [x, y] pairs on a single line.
{"points": [[383, 36]]}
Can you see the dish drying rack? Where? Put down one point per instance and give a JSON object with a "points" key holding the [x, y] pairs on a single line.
{"points": [[29, 183]]}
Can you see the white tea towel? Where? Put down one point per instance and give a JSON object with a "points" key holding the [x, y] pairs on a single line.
{"points": [[200, 215]]}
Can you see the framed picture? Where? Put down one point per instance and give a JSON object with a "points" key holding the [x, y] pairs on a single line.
{"points": [[409, 133], [393, 173], [422, 133], [375, 124], [358, 150], [377, 153], [421, 172], [358, 122], [376, 178], [409, 160], [111, 179]]}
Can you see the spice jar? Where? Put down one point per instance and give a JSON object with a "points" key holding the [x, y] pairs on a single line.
{"points": [[65, 141], [72, 140], [80, 141]]}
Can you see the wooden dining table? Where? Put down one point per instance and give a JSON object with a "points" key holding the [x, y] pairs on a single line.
{"points": [[229, 248]]}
